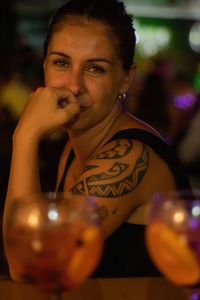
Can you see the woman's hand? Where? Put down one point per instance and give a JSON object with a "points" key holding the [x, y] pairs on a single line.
{"points": [[47, 110]]}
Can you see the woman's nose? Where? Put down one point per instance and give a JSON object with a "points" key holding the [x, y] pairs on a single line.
{"points": [[76, 82]]}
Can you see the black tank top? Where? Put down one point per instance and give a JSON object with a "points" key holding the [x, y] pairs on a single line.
{"points": [[125, 253]]}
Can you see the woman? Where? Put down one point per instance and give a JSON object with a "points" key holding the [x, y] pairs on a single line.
{"points": [[88, 68]]}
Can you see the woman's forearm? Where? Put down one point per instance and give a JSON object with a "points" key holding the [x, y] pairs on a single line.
{"points": [[24, 171]]}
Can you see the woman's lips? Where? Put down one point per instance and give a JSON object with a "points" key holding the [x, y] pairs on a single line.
{"points": [[82, 108]]}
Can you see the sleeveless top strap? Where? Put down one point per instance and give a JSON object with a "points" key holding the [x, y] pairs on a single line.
{"points": [[154, 142], [162, 149], [67, 165]]}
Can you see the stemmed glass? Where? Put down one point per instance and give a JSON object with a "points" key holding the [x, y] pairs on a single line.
{"points": [[173, 238], [53, 240]]}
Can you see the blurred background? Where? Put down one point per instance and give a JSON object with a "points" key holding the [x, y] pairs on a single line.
{"points": [[165, 92]]}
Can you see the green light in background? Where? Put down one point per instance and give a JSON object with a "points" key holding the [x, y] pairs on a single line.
{"points": [[152, 39], [197, 79]]}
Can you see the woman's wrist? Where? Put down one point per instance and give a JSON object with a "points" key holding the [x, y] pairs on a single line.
{"points": [[25, 135]]}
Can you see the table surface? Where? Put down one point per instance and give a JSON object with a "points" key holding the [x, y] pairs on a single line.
{"points": [[100, 289]]}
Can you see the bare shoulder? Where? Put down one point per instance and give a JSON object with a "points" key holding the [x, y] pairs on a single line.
{"points": [[121, 175], [115, 170], [120, 168], [112, 174]]}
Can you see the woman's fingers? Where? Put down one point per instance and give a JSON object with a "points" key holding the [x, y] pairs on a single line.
{"points": [[67, 104], [69, 113], [48, 109]]}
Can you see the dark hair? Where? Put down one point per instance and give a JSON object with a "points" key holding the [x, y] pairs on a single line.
{"points": [[111, 12]]}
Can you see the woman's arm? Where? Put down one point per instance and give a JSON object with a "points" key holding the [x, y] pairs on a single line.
{"points": [[123, 175], [42, 114], [113, 175]]}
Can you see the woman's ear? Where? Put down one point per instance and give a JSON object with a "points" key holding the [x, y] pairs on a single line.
{"points": [[44, 63], [129, 78]]}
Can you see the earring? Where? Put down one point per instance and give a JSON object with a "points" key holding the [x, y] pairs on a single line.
{"points": [[122, 97], [122, 100]]}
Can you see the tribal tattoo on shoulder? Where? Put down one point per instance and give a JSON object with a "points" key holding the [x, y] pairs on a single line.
{"points": [[121, 148], [107, 184]]}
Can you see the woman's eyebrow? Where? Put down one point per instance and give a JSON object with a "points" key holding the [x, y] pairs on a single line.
{"points": [[58, 53], [91, 60], [100, 59]]}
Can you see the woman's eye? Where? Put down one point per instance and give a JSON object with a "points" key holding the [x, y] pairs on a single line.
{"points": [[60, 63], [96, 69]]}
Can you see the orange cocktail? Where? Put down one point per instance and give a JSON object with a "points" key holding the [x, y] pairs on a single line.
{"points": [[54, 243], [173, 236]]}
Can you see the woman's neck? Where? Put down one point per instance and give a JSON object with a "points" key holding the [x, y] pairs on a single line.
{"points": [[86, 142]]}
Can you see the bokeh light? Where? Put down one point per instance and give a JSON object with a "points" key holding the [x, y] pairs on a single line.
{"points": [[152, 39], [194, 37]]}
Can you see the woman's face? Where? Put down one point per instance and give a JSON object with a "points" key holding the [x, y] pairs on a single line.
{"points": [[82, 57]]}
